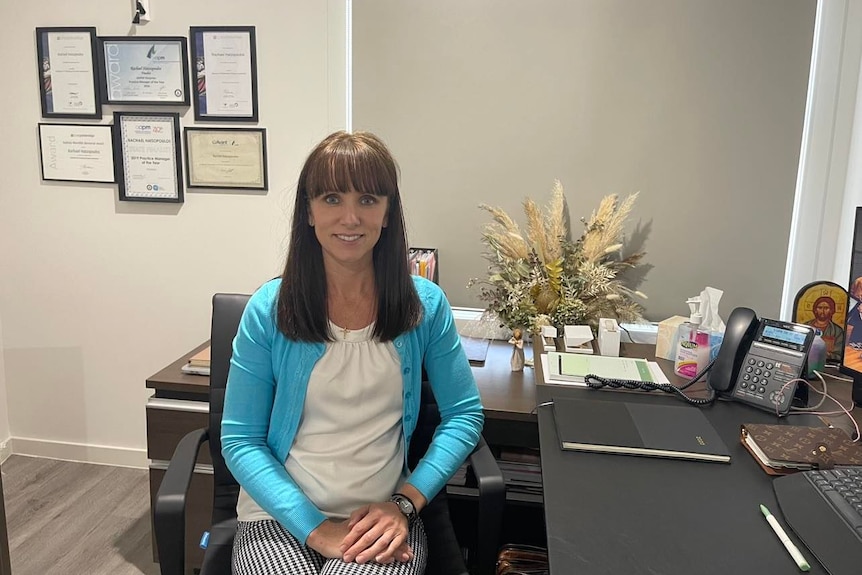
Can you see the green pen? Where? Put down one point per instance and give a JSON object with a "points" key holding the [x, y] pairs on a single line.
{"points": [[788, 544]]}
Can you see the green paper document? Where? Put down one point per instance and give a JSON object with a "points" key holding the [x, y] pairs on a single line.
{"points": [[575, 366]]}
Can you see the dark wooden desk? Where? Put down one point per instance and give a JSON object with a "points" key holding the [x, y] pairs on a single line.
{"points": [[611, 514]]}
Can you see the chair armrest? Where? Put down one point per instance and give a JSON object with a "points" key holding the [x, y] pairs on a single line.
{"points": [[492, 500], [169, 509]]}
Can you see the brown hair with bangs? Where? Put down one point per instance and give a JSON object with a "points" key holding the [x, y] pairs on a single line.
{"points": [[345, 162]]}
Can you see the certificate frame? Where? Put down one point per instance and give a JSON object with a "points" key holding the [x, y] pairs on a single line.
{"points": [[243, 168], [76, 79], [225, 87], [147, 156], [126, 63], [70, 153]]}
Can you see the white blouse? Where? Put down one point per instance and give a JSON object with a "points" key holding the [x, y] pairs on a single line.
{"points": [[349, 448]]}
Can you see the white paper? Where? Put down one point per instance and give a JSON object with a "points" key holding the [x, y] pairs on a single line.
{"points": [[69, 67], [657, 374], [546, 372], [76, 153], [227, 68]]}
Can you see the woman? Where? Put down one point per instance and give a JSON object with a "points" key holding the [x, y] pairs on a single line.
{"points": [[325, 383]]}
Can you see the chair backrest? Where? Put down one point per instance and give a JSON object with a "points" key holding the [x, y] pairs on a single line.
{"points": [[227, 312]]}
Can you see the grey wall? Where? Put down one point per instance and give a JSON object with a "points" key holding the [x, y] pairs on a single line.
{"points": [[696, 104]]}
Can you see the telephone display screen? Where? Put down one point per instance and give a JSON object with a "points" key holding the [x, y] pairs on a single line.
{"points": [[783, 335]]}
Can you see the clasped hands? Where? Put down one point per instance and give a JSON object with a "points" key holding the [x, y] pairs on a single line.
{"points": [[375, 532]]}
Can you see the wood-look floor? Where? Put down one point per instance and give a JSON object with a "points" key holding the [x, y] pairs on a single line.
{"points": [[69, 518]]}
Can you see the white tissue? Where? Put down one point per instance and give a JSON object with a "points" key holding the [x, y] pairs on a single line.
{"points": [[709, 299]]}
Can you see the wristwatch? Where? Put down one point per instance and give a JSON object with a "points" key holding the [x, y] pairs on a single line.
{"points": [[405, 506]]}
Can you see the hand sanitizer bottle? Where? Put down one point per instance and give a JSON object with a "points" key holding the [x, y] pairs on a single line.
{"points": [[692, 352]]}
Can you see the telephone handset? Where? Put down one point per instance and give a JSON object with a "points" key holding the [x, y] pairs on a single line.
{"points": [[758, 358]]}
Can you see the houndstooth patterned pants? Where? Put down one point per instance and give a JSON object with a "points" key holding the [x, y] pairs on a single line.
{"points": [[267, 548]]}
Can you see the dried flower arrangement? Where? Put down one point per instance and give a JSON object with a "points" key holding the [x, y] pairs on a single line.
{"points": [[546, 278]]}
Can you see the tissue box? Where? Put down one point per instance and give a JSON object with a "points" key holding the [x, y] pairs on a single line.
{"points": [[665, 347]]}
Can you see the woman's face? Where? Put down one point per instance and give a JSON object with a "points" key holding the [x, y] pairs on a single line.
{"points": [[348, 225]]}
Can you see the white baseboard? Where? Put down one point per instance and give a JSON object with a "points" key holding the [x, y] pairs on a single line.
{"points": [[80, 452]]}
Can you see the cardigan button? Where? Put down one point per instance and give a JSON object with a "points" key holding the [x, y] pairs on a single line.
{"points": [[406, 371]]}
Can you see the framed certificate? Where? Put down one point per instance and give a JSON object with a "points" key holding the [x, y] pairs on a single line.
{"points": [[144, 70], [225, 73], [232, 158], [66, 59], [77, 153], [147, 152]]}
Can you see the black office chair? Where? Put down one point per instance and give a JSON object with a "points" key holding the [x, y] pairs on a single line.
{"points": [[445, 556]]}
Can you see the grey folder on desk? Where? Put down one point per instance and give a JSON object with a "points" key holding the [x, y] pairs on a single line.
{"points": [[674, 431]]}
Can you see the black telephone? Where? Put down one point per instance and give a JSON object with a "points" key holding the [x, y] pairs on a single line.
{"points": [[758, 358]]}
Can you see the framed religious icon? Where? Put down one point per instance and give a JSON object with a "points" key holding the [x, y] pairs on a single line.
{"points": [[226, 158], [823, 306], [147, 156], [66, 60], [224, 61], [144, 70]]}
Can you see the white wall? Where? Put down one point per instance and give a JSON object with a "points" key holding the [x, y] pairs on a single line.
{"points": [[96, 294]]}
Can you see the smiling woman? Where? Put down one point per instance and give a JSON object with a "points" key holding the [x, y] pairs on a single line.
{"points": [[326, 379]]}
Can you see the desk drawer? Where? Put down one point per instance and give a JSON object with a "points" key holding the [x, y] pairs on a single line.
{"points": [[169, 420]]}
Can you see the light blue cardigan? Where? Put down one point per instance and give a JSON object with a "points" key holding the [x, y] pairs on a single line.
{"points": [[266, 392]]}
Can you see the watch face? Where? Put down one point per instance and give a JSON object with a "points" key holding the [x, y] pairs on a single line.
{"points": [[404, 505]]}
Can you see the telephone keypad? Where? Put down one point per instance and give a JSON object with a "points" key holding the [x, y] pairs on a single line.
{"points": [[763, 380]]}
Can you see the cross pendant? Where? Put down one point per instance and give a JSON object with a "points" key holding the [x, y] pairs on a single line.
{"points": [[344, 332]]}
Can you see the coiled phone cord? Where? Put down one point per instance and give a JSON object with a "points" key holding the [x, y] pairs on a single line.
{"points": [[596, 382]]}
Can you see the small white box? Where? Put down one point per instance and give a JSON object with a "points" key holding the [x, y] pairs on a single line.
{"points": [[578, 338], [609, 337]]}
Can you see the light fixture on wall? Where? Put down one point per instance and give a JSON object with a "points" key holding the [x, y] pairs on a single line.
{"points": [[142, 11]]}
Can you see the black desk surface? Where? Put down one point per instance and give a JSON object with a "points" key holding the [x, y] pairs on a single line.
{"points": [[621, 514]]}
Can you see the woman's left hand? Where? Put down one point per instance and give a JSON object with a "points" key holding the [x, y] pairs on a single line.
{"points": [[378, 532]]}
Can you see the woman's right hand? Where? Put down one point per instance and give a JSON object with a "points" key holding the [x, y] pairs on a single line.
{"points": [[327, 538]]}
